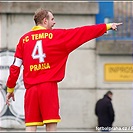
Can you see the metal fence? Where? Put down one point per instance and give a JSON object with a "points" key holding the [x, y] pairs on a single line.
{"points": [[123, 12]]}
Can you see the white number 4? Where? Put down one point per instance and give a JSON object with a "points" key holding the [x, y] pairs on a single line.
{"points": [[38, 52]]}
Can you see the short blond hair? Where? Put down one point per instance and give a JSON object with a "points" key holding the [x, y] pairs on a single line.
{"points": [[40, 14]]}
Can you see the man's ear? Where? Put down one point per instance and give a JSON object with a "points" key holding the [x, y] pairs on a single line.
{"points": [[45, 20]]}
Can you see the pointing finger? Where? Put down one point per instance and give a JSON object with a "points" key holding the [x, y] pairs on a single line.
{"points": [[119, 24]]}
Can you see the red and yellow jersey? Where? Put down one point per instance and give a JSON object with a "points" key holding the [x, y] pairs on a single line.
{"points": [[44, 53]]}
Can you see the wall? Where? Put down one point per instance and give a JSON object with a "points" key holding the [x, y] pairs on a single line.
{"points": [[118, 53], [77, 90]]}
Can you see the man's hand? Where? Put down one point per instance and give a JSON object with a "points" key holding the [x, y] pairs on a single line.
{"points": [[115, 25], [8, 96]]}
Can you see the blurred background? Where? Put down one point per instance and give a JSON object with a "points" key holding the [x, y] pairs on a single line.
{"points": [[100, 65]]}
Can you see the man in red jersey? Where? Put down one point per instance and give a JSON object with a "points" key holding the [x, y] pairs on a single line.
{"points": [[43, 52]]}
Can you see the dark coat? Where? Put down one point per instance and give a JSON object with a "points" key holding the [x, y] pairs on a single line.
{"points": [[105, 112]]}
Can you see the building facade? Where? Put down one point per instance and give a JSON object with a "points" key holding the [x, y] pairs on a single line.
{"points": [[88, 68]]}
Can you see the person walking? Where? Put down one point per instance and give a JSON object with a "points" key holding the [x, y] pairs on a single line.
{"points": [[43, 52], [105, 112]]}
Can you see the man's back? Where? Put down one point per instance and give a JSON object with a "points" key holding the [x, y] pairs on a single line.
{"points": [[42, 56]]}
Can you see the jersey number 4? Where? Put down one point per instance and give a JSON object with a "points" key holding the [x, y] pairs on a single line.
{"points": [[38, 52]]}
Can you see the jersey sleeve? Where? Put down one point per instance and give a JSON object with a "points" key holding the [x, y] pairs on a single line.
{"points": [[13, 76], [19, 50], [15, 67], [78, 36]]}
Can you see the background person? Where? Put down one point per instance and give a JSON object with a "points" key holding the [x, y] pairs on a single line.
{"points": [[105, 112]]}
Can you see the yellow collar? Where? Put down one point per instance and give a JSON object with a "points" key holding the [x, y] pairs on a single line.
{"points": [[38, 28]]}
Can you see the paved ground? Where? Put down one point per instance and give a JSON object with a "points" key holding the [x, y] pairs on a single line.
{"points": [[43, 130]]}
